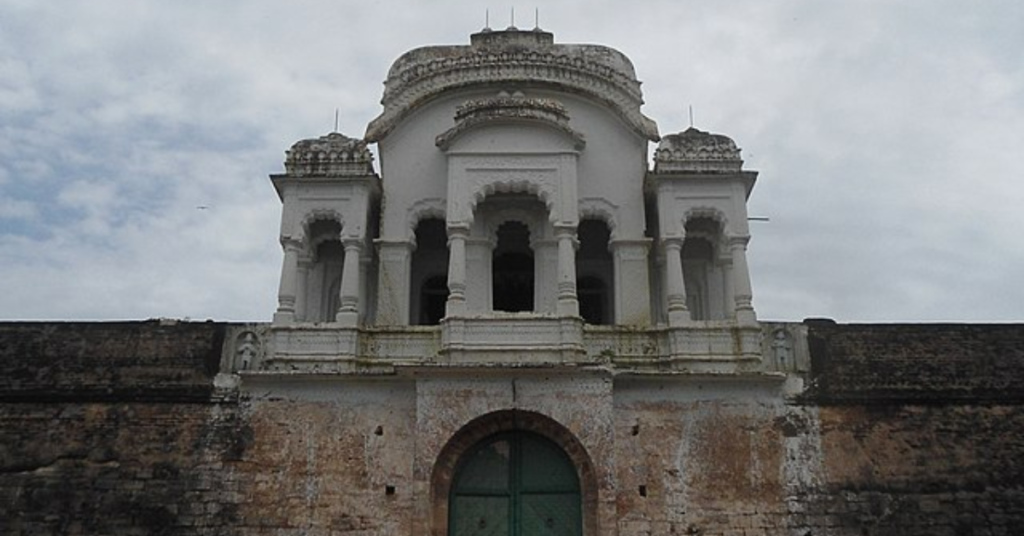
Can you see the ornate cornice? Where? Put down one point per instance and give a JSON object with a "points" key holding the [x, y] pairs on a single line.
{"points": [[696, 151], [332, 155], [509, 108], [502, 57]]}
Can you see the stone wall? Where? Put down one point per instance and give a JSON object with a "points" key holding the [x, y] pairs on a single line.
{"points": [[922, 429], [115, 428], [126, 428]]}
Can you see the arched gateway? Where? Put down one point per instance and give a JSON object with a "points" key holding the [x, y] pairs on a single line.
{"points": [[515, 483], [514, 473]]}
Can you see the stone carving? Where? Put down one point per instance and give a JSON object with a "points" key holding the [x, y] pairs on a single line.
{"points": [[329, 156], [247, 349], [503, 107], [697, 151], [782, 349], [598, 72]]}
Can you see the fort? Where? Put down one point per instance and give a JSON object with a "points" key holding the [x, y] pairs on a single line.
{"points": [[533, 316]]}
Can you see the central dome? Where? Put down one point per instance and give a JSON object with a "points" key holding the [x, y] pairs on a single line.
{"points": [[495, 58]]}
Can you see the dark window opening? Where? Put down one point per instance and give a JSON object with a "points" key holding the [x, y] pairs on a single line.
{"points": [[698, 255], [429, 273], [513, 269], [591, 293], [594, 272], [330, 256], [433, 296]]}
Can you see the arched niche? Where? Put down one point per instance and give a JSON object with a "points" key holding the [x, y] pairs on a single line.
{"points": [[322, 281], [704, 269]]}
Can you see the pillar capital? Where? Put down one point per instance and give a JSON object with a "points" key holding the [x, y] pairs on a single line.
{"points": [[352, 243], [291, 243], [673, 241], [738, 240]]}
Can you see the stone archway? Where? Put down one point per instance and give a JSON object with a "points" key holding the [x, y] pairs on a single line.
{"points": [[479, 430]]}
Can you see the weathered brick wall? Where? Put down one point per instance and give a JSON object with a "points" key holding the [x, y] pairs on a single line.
{"points": [[115, 428], [329, 458], [115, 361], [921, 426], [700, 458], [926, 363]]}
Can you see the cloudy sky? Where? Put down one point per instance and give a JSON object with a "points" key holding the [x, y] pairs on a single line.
{"points": [[136, 137]]}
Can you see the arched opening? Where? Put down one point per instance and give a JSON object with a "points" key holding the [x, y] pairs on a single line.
{"points": [[429, 273], [512, 269], [323, 276], [595, 272], [703, 275], [550, 448], [515, 483]]}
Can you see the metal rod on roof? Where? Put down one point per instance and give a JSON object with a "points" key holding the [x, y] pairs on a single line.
{"points": [[335, 119]]}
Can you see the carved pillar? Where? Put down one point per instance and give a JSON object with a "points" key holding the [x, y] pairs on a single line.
{"points": [[730, 296], [286, 290], [546, 279], [479, 275], [741, 280], [568, 304], [365, 289], [457, 236], [348, 312], [632, 282], [302, 278], [393, 282], [678, 314]]}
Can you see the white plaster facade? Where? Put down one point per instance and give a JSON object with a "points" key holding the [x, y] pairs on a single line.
{"points": [[517, 252], [514, 183]]}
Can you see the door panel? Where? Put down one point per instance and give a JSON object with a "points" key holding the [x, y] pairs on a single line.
{"points": [[550, 515], [515, 484], [481, 516]]}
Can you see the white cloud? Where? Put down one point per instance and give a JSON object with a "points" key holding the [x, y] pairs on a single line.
{"points": [[886, 135]]}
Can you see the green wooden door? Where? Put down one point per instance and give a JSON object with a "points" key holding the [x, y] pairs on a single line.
{"points": [[515, 484]]}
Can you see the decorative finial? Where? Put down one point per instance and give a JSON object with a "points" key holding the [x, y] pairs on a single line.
{"points": [[691, 116], [487, 20], [512, 21], [335, 120], [536, 19]]}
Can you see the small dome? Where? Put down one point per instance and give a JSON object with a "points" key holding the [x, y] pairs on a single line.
{"points": [[697, 151], [331, 155]]}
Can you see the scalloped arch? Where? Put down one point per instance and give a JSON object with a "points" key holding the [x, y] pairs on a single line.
{"points": [[432, 207], [513, 187], [320, 214], [600, 209], [500, 217], [711, 213]]}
